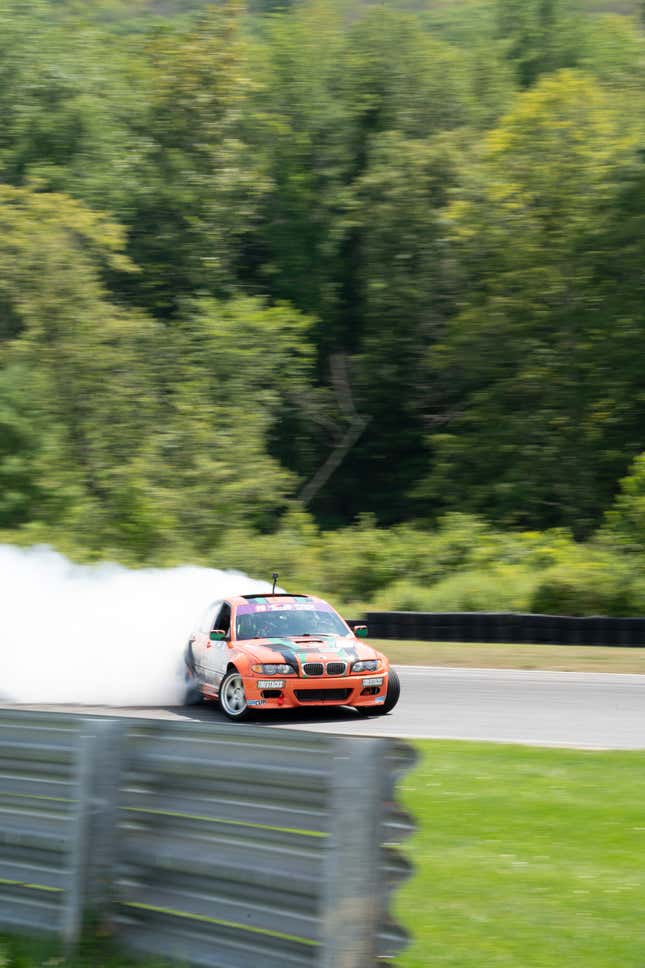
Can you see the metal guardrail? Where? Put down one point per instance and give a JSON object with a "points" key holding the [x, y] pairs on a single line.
{"points": [[507, 627], [214, 845], [42, 823]]}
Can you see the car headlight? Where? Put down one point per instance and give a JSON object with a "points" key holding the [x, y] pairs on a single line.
{"points": [[273, 670], [365, 665]]}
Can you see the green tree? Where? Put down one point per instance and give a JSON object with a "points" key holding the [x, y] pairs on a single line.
{"points": [[21, 489], [68, 105], [301, 125], [625, 521], [198, 189], [227, 374], [539, 394], [346, 128], [133, 436], [541, 35], [88, 400], [405, 289]]}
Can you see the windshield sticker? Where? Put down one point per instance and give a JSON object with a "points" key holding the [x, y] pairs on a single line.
{"points": [[253, 607]]}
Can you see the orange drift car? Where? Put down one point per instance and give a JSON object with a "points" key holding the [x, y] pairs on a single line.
{"points": [[278, 651]]}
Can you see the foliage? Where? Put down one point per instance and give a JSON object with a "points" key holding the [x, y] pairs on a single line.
{"points": [[122, 457], [507, 588], [593, 587], [241, 245], [534, 243], [625, 520], [199, 186], [541, 36]]}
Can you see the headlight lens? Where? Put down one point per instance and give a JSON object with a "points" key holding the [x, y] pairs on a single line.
{"points": [[365, 665], [273, 670]]}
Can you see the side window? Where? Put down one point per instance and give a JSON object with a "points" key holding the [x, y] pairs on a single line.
{"points": [[206, 623], [223, 619]]}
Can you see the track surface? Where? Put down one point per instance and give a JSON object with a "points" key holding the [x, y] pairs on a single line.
{"points": [[592, 710]]}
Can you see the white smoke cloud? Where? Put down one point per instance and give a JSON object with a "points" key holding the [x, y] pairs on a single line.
{"points": [[99, 634]]}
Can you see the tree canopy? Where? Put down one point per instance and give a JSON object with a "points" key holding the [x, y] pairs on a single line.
{"points": [[322, 258]]}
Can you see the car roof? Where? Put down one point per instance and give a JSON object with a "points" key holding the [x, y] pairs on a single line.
{"points": [[276, 597]]}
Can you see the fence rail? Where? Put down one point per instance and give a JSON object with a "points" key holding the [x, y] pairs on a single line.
{"points": [[507, 627], [212, 844]]}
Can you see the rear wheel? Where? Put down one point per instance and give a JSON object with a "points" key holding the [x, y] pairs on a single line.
{"points": [[193, 687], [391, 698], [232, 697]]}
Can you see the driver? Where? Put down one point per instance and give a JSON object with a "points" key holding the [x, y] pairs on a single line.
{"points": [[263, 626], [321, 623]]}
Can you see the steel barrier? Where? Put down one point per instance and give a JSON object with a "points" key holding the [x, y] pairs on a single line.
{"points": [[43, 823], [219, 845]]}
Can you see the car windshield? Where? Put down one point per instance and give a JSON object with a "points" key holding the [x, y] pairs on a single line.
{"points": [[288, 622]]}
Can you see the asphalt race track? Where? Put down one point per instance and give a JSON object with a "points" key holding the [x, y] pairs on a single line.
{"points": [[586, 710]]}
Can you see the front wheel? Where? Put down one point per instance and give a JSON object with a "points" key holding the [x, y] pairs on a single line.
{"points": [[232, 697], [391, 697]]}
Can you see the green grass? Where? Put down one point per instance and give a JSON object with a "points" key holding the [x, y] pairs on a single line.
{"points": [[526, 858], [478, 655], [43, 953]]}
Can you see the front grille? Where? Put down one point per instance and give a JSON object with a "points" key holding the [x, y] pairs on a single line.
{"points": [[272, 693], [322, 695], [313, 668], [336, 668]]}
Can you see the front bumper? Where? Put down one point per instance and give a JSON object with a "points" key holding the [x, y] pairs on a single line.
{"points": [[315, 691]]}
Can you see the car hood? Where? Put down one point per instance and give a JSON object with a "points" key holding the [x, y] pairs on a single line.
{"points": [[308, 649]]}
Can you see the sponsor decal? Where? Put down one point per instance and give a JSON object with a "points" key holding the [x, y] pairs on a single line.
{"points": [[255, 702], [262, 605], [373, 681], [380, 699]]}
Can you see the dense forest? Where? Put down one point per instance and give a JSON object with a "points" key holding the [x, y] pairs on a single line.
{"points": [[352, 290]]}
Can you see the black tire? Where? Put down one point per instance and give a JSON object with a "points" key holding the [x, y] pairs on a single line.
{"points": [[391, 698], [232, 704], [193, 687]]}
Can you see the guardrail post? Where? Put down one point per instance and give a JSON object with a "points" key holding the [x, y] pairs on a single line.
{"points": [[72, 914], [94, 851], [102, 825], [354, 896]]}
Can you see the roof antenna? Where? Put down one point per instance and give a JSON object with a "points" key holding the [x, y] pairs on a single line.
{"points": [[275, 577]]}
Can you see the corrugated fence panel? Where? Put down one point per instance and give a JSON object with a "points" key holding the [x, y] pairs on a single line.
{"points": [[223, 834], [41, 819]]}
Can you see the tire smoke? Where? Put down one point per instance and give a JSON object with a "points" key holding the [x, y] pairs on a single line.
{"points": [[100, 634]]}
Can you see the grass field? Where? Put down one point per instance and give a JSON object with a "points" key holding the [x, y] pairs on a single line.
{"points": [[526, 858], [562, 658], [36, 953]]}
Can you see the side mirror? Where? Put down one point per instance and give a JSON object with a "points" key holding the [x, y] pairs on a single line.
{"points": [[360, 631], [217, 635]]}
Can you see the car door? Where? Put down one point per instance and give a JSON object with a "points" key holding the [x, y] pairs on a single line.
{"points": [[217, 652], [200, 640]]}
